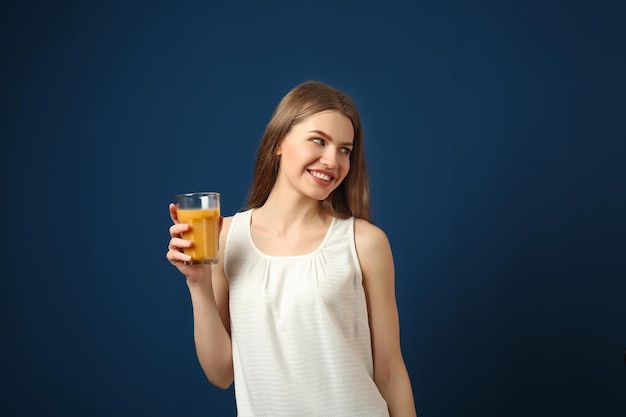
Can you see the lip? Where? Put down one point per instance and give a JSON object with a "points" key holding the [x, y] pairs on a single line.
{"points": [[319, 180]]}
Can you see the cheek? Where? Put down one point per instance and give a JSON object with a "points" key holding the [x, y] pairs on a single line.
{"points": [[298, 153], [345, 167], [291, 156]]}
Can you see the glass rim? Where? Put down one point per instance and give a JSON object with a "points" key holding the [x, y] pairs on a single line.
{"points": [[197, 194]]}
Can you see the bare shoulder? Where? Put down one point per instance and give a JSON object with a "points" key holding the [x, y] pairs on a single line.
{"points": [[376, 260], [369, 238], [226, 221], [374, 252], [224, 227]]}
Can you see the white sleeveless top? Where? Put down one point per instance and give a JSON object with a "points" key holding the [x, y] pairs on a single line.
{"points": [[299, 328]]}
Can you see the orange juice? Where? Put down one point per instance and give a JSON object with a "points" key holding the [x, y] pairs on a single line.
{"points": [[204, 233]]}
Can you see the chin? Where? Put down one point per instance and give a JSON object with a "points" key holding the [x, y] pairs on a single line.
{"points": [[319, 196]]}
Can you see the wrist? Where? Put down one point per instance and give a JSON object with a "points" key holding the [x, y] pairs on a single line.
{"points": [[200, 277]]}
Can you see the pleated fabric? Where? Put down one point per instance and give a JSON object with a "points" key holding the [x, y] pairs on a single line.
{"points": [[299, 328]]}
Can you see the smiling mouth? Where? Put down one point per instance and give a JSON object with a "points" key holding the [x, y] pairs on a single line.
{"points": [[321, 176]]}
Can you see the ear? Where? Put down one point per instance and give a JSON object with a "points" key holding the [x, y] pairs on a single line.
{"points": [[278, 150]]}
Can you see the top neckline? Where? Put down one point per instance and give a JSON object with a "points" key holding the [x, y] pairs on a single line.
{"points": [[304, 255]]}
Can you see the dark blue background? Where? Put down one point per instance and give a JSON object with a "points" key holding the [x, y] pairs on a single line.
{"points": [[495, 133]]}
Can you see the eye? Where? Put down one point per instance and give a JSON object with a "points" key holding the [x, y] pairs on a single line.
{"points": [[318, 141], [345, 150]]}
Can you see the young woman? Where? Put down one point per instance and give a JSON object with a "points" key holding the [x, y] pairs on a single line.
{"points": [[301, 312]]}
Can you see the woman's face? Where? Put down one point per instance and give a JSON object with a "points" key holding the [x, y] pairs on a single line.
{"points": [[315, 154]]}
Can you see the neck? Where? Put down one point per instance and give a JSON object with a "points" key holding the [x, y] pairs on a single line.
{"points": [[285, 209]]}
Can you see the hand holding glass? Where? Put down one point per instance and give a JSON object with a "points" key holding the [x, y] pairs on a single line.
{"points": [[202, 212]]}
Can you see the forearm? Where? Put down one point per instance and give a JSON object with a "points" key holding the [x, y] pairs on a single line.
{"points": [[212, 340], [395, 387]]}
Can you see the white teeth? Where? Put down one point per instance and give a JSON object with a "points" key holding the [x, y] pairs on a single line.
{"points": [[320, 176]]}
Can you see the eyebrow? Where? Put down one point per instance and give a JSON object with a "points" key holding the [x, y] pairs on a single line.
{"points": [[327, 137]]}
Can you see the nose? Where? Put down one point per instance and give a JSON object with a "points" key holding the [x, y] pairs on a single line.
{"points": [[329, 158]]}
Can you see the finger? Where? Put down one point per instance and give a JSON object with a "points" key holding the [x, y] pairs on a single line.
{"points": [[173, 212], [176, 257], [179, 244], [177, 229]]}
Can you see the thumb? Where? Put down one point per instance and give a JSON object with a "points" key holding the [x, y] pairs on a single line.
{"points": [[174, 213]]}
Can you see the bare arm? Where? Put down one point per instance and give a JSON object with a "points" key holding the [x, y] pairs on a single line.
{"points": [[208, 287], [390, 374]]}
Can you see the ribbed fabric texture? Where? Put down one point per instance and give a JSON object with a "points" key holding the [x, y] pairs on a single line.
{"points": [[299, 327]]}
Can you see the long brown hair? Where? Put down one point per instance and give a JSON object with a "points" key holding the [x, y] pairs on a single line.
{"points": [[351, 198]]}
